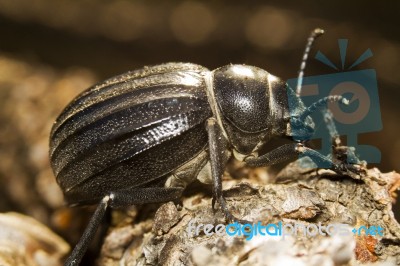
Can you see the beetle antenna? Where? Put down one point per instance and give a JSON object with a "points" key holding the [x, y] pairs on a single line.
{"points": [[320, 103], [314, 34]]}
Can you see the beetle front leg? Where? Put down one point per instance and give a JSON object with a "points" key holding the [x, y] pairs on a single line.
{"points": [[278, 155], [286, 152], [218, 157], [319, 159], [292, 150]]}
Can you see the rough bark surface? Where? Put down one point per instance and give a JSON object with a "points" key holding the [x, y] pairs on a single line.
{"points": [[297, 195]]}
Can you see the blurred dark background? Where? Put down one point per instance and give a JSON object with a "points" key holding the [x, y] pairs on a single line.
{"points": [[52, 50]]}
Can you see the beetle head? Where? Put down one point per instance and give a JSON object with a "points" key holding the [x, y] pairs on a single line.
{"points": [[301, 130]]}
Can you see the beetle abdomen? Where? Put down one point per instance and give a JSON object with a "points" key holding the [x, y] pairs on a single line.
{"points": [[130, 130], [141, 169]]}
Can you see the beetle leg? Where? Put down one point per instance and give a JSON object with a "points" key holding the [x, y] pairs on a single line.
{"points": [[319, 159], [119, 198], [286, 152], [218, 157], [344, 154], [127, 197], [275, 156], [216, 148], [81, 247], [291, 150]]}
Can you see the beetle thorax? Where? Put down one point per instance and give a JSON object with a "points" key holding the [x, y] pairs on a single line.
{"points": [[249, 104]]}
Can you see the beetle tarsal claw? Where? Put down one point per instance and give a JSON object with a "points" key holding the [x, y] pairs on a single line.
{"points": [[349, 169], [213, 201], [228, 215]]}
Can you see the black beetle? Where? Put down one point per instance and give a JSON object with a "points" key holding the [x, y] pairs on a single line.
{"points": [[141, 137]]}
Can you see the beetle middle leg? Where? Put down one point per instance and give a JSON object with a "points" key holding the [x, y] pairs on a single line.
{"points": [[219, 155]]}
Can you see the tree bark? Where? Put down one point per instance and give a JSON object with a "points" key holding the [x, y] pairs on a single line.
{"points": [[297, 195]]}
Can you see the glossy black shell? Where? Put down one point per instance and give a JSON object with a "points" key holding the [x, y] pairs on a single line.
{"points": [[130, 131], [253, 105], [242, 95]]}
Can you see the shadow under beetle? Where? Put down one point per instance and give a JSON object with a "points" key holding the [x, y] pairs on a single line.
{"points": [[142, 136]]}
